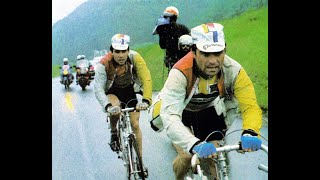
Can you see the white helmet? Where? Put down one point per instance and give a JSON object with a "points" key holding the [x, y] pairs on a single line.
{"points": [[65, 59], [185, 39], [79, 57], [171, 11]]}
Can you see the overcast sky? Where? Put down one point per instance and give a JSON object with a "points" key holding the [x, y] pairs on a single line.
{"points": [[62, 8]]}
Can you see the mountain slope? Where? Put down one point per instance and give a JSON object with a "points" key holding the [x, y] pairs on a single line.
{"points": [[91, 26]]}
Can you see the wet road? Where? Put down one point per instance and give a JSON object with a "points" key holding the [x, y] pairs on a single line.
{"points": [[80, 139]]}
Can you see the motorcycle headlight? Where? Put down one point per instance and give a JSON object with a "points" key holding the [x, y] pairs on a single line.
{"points": [[83, 71]]}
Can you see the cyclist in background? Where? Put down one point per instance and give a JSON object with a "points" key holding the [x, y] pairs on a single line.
{"points": [[120, 74], [203, 92], [169, 31]]}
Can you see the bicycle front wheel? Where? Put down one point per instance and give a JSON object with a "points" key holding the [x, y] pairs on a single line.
{"points": [[123, 149], [136, 159]]}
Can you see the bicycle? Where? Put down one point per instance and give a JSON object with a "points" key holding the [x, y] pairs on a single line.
{"points": [[222, 169], [128, 149]]}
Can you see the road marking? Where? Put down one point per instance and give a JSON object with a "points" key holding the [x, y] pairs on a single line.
{"points": [[68, 100]]}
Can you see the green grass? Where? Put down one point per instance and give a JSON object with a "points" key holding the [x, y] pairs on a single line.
{"points": [[153, 55], [247, 42], [55, 70]]}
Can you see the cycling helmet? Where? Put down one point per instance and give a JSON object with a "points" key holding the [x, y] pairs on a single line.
{"points": [[185, 39], [65, 59], [171, 11]]}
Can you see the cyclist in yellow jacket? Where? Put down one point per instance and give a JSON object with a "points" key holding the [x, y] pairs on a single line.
{"points": [[120, 75], [202, 93]]}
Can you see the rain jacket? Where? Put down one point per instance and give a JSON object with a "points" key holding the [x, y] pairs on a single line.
{"points": [[235, 89], [105, 74]]}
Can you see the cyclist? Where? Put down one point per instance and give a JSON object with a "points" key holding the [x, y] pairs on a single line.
{"points": [[120, 74], [203, 92], [169, 31], [184, 45]]}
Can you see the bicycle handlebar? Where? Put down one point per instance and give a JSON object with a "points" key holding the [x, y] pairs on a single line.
{"points": [[128, 109], [227, 148]]}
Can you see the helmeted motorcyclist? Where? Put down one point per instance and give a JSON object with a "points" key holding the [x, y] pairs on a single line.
{"points": [[81, 59], [68, 67], [184, 45]]}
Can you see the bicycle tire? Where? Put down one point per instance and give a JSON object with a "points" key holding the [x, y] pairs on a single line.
{"points": [[123, 149], [136, 158]]}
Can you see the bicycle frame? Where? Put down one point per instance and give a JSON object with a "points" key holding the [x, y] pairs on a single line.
{"points": [[128, 147]]}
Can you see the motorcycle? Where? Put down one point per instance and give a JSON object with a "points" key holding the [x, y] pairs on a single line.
{"points": [[83, 75], [66, 76], [91, 72]]}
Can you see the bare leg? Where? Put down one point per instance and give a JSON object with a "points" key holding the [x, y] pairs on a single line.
{"points": [[181, 163], [134, 117], [113, 119], [113, 122], [211, 162]]}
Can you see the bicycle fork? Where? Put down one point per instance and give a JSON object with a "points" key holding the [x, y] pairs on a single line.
{"points": [[222, 167]]}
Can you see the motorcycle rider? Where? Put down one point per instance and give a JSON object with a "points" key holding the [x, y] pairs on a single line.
{"points": [[81, 59], [66, 65], [169, 32], [184, 45]]}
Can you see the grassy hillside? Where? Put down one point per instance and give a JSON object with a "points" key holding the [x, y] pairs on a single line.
{"points": [[90, 26], [247, 42]]}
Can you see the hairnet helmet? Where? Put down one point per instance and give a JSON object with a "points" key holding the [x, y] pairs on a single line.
{"points": [[120, 41], [65, 59]]}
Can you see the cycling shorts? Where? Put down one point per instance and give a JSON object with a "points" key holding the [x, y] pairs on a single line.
{"points": [[125, 95], [204, 122]]}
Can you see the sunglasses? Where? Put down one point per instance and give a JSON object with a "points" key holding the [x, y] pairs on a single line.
{"points": [[185, 45]]}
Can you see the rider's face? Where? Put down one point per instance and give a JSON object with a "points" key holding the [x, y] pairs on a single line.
{"points": [[209, 62], [185, 47], [120, 56]]}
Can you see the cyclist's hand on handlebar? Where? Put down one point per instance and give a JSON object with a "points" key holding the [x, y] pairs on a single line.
{"points": [[142, 106], [114, 110], [204, 150], [250, 143]]}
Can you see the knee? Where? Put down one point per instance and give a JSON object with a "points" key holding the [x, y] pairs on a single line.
{"points": [[135, 124], [181, 166]]}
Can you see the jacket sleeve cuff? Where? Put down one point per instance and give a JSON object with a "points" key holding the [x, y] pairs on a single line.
{"points": [[190, 150], [250, 131], [106, 107], [146, 101]]}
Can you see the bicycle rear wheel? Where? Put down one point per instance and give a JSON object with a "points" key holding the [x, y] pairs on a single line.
{"points": [[136, 159]]}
